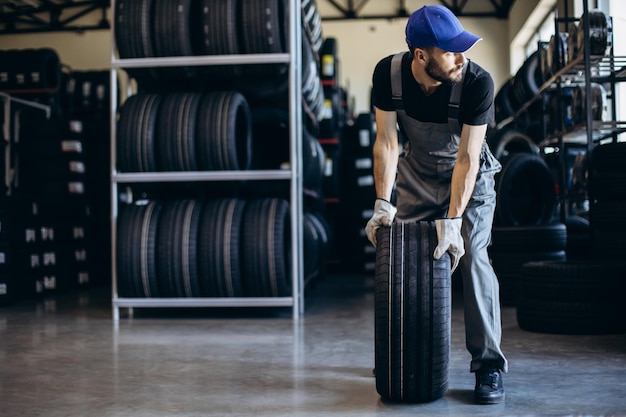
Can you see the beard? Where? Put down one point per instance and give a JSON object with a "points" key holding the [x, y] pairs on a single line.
{"points": [[435, 72]]}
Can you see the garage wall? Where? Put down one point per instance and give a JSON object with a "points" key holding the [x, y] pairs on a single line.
{"points": [[90, 50], [362, 43]]}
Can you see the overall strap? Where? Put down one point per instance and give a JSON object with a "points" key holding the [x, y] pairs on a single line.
{"points": [[455, 100], [396, 80]]}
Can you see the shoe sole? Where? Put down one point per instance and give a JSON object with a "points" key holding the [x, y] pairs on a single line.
{"points": [[489, 400]]}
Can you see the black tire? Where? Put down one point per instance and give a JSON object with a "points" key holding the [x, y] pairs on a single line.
{"points": [[512, 247], [503, 102], [264, 29], [579, 242], [588, 280], [133, 34], [224, 132], [607, 185], [525, 191], [608, 215], [312, 24], [313, 160], [599, 33], [136, 250], [609, 157], [569, 317], [528, 79], [315, 242], [137, 123], [572, 297], [508, 141], [546, 238], [177, 247], [172, 37], [412, 316], [267, 248], [579, 103], [218, 34], [312, 90], [176, 143], [219, 248]]}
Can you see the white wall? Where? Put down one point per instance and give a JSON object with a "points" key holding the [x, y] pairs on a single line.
{"points": [[362, 43], [89, 50]]}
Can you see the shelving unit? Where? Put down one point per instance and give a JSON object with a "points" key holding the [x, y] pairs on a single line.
{"points": [[294, 174], [584, 69]]}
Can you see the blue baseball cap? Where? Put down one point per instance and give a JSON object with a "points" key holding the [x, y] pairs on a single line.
{"points": [[438, 26]]}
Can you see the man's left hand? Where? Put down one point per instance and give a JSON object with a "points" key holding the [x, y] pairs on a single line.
{"points": [[449, 239]]}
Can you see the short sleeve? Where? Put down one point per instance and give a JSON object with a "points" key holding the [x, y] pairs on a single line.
{"points": [[381, 85], [477, 101]]}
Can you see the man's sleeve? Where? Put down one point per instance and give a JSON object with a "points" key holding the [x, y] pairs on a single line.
{"points": [[381, 85], [478, 99]]}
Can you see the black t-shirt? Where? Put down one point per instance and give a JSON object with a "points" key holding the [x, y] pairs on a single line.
{"points": [[476, 107]]}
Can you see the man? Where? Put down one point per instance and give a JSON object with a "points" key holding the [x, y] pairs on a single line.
{"points": [[442, 104]]}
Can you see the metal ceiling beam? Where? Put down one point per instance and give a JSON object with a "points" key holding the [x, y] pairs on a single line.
{"points": [[31, 16], [349, 10]]}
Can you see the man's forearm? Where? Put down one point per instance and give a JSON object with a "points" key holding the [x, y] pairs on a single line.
{"points": [[463, 181], [385, 165]]}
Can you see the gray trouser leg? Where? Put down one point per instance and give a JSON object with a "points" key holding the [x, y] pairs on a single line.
{"points": [[483, 327]]}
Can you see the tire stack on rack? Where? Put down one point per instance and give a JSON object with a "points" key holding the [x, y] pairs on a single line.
{"points": [[85, 99], [204, 248], [54, 236], [358, 192], [334, 118], [65, 154], [608, 200], [524, 229], [216, 238], [334, 131], [583, 295]]}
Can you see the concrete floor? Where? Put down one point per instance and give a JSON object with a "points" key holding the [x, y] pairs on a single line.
{"points": [[66, 357]]}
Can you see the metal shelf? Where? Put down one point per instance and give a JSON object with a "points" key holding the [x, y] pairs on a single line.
{"points": [[578, 136], [135, 177], [197, 60], [131, 303], [293, 174]]}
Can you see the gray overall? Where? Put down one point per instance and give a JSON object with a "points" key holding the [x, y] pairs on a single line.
{"points": [[423, 192]]}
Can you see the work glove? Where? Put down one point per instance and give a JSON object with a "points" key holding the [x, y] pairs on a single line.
{"points": [[384, 212], [449, 240]]}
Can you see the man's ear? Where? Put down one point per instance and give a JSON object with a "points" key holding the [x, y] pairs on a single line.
{"points": [[420, 55]]}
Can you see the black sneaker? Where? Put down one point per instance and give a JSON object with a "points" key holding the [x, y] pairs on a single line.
{"points": [[489, 388]]}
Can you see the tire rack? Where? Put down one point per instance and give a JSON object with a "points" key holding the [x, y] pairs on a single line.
{"points": [[579, 69], [294, 174]]}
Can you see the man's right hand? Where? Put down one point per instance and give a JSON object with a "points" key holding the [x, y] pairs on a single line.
{"points": [[384, 212]]}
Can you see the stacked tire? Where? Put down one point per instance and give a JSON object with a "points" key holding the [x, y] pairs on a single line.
{"points": [[185, 132], [223, 247], [216, 238], [54, 242], [524, 229], [608, 200], [573, 297], [358, 193], [583, 296], [554, 113]]}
